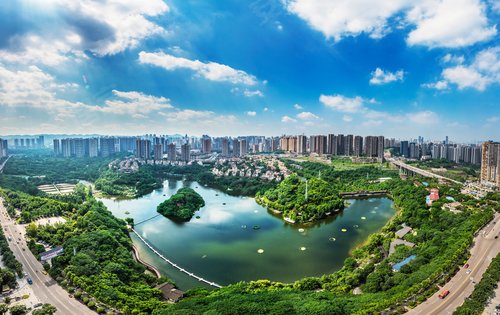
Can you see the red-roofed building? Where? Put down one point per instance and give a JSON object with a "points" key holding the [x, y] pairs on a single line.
{"points": [[434, 194]]}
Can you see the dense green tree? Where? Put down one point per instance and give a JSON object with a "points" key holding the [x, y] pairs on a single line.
{"points": [[18, 310], [47, 309], [182, 205]]}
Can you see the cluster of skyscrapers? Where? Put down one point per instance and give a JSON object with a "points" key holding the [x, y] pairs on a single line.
{"points": [[93, 147], [37, 142], [452, 152], [331, 144]]}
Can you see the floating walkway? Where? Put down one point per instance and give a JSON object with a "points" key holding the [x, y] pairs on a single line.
{"points": [[136, 224], [175, 265]]}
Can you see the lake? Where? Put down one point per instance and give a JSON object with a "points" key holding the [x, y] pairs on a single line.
{"points": [[222, 246]]}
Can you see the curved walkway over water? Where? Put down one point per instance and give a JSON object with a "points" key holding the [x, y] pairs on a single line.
{"points": [[153, 217], [175, 265]]}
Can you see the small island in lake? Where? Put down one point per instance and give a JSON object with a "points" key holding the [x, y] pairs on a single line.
{"points": [[182, 205]]}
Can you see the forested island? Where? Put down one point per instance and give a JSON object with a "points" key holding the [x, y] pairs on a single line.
{"points": [[290, 198], [182, 205]]}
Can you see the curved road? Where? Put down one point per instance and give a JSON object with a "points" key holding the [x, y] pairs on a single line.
{"points": [[46, 289], [485, 248]]}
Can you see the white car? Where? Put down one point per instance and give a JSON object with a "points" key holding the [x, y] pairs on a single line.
{"points": [[468, 271]]}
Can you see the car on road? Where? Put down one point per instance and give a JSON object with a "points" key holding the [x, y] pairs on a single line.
{"points": [[468, 271], [444, 294], [466, 266], [30, 281], [37, 305], [44, 272]]}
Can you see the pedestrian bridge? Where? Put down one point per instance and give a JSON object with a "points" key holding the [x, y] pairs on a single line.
{"points": [[192, 275]]}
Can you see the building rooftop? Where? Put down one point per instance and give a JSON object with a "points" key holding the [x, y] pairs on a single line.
{"points": [[170, 293], [402, 232]]}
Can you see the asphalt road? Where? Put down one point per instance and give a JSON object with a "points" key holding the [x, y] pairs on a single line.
{"points": [[485, 248], [46, 289]]}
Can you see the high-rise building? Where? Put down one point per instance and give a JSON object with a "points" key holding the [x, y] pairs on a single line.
{"points": [[41, 141], [476, 155], [349, 145], [126, 144], [404, 149], [57, 147], [93, 147], [107, 146], [413, 150], [490, 163], [301, 144], [243, 147], [225, 146], [236, 147], [172, 152], [380, 148], [331, 146], [81, 147], [185, 152], [318, 144], [4, 148], [66, 147], [206, 145], [143, 149], [340, 144], [358, 146], [158, 151]]}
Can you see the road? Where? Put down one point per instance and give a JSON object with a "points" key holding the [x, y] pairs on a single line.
{"points": [[485, 248], [421, 171], [3, 164], [46, 289]]}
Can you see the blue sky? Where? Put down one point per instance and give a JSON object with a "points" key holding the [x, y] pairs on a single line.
{"points": [[398, 68]]}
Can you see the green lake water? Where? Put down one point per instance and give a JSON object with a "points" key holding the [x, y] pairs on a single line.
{"points": [[223, 247]]}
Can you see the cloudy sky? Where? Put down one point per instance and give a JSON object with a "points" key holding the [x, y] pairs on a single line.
{"points": [[399, 68]]}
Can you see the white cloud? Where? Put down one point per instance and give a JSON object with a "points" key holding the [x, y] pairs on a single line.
{"points": [[251, 114], [449, 58], [495, 6], [297, 106], [249, 93], [372, 123], [339, 19], [493, 119], [380, 76], [439, 85], [266, 109], [33, 88], [347, 118], [100, 27], [436, 23], [287, 119], [482, 72], [423, 118], [128, 20], [307, 116], [211, 70], [449, 23], [37, 50], [187, 114], [134, 103], [342, 103]]}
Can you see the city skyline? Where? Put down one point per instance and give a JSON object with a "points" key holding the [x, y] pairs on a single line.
{"points": [[266, 68]]}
